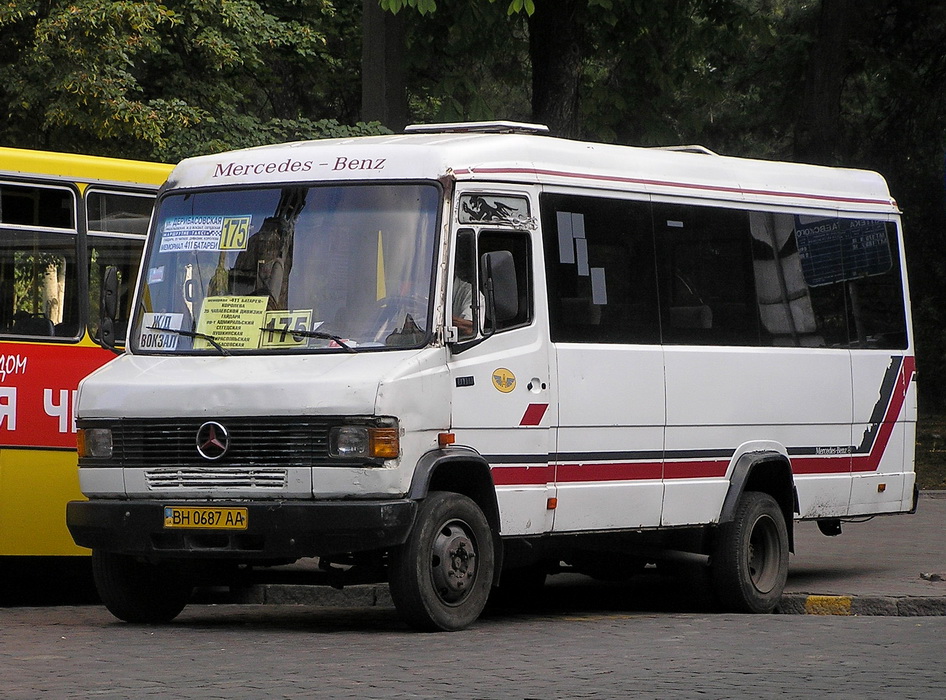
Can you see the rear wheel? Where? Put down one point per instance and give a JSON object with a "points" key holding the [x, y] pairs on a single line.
{"points": [[136, 591], [750, 559], [441, 577]]}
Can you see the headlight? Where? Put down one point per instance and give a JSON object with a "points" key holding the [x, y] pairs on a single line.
{"points": [[365, 442], [94, 442]]}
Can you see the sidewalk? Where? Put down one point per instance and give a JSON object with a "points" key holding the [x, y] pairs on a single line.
{"points": [[888, 565]]}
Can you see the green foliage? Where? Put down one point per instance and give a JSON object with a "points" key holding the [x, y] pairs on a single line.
{"points": [[422, 6], [243, 132], [168, 79], [467, 62], [425, 7], [77, 68]]}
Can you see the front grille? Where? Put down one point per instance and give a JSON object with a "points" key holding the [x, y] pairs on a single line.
{"points": [[171, 479], [289, 441]]}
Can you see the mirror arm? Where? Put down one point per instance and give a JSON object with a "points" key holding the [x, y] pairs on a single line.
{"points": [[490, 294]]}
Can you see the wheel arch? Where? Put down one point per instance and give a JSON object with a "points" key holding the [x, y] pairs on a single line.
{"points": [[768, 471], [465, 471]]}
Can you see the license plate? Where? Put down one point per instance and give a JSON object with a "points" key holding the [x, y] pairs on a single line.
{"points": [[205, 518]]}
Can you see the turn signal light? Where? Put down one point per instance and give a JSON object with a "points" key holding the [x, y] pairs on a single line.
{"points": [[384, 443]]}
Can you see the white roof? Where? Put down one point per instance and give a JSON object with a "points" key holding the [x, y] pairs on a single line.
{"points": [[531, 158]]}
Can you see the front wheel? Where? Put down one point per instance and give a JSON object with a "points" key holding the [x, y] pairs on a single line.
{"points": [[441, 576], [750, 558], [135, 591]]}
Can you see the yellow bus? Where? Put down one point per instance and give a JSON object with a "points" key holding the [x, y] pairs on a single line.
{"points": [[64, 219]]}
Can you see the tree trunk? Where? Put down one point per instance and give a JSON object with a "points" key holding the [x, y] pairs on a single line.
{"points": [[556, 49], [383, 79], [818, 126]]}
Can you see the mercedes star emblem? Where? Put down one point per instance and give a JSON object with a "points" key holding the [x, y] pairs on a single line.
{"points": [[213, 440]]}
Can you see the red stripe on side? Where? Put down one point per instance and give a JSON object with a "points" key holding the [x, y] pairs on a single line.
{"points": [[821, 465], [871, 462], [523, 476], [615, 471], [534, 414], [695, 470]]}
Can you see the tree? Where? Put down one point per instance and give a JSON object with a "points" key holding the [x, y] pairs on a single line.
{"points": [[818, 126], [383, 75], [582, 48], [169, 79]]}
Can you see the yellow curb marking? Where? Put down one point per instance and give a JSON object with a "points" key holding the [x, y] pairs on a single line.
{"points": [[828, 605]]}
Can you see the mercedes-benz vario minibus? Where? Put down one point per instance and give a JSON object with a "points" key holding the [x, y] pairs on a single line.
{"points": [[469, 355]]}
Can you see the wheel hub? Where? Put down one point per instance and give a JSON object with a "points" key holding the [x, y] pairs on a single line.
{"points": [[762, 556], [453, 562]]}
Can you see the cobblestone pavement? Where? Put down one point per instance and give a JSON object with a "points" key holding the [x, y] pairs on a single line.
{"points": [[291, 651]]}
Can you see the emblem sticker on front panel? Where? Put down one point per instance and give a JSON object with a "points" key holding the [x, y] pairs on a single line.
{"points": [[504, 380]]}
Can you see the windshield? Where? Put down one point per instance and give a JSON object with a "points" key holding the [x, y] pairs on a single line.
{"points": [[334, 268]]}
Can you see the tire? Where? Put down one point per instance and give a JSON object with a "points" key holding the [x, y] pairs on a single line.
{"points": [[750, 557], [440, 578], [138, 592]]}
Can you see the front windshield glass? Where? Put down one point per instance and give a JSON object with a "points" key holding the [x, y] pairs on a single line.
{"points": [[332, 268]]}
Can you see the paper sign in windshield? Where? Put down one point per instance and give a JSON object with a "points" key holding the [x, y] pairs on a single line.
{"points": [[205, 233], [234, 322], [278, 328], [157, 331]]}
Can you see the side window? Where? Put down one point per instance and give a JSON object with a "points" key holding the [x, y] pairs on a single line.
{"points": [[39, 293], [38, 271], [519, 245], [707, 281], [465, 304], [119, 212], [600, 261], [852, 270], [876, 300], [792, 312], [123, 253], [469, 310], [110, 215], [828, 282]]}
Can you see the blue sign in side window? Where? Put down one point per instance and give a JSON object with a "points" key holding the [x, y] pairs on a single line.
{"points": [[834, 250]]}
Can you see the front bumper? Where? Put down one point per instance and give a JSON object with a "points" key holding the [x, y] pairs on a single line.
{"points": [[275, 530]]}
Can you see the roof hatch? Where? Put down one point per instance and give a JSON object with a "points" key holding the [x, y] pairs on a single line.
{"points": [[500, 127]]}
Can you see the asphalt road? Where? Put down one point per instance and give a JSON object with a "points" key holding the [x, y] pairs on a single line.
{"points": [[583, 639], [236, 652]]}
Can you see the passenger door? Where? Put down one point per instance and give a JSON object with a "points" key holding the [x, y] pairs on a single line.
{"points": [[503, 393]]}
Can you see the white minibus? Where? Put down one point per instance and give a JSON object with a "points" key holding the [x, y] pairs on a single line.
{"points": [[470, 355]]}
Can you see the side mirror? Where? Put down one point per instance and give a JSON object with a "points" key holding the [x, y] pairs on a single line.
{"points": [[498, 272], [108, 307]]}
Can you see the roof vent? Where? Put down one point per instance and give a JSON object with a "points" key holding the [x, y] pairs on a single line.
{"points": [[477, 128], [688, 149]]}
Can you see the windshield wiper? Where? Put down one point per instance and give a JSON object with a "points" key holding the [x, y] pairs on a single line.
{"points": [[193, 334], [321, 335]]}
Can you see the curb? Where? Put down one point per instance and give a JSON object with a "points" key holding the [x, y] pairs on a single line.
{"points": [[357, 596], [368, 595], [892, 606]]}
